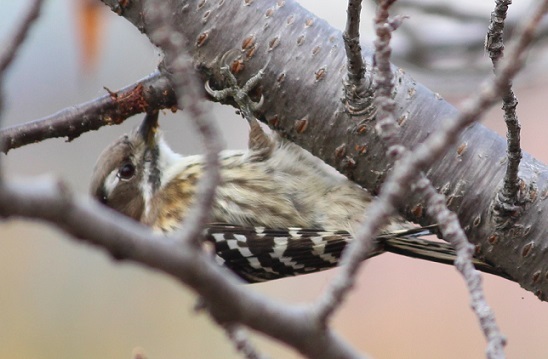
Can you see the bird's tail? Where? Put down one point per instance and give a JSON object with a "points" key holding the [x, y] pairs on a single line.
{"points": [[261, 254]]}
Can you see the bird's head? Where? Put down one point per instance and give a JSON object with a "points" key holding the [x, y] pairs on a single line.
{"points": [[128, 172]]}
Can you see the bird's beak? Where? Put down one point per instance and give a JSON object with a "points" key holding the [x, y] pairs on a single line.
{"points": [[148, 129]]}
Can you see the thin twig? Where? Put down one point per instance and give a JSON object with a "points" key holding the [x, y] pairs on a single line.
{"points": [[494, 43], [358, 94], [383, 80], [359, 249], [451, 229], [190, 95], [508, 204], [110, 109]]}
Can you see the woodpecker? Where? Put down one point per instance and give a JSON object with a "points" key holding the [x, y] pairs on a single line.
{"points": [[278, 210]]}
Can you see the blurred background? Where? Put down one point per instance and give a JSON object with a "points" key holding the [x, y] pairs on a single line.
{"points": [[62, 299]]}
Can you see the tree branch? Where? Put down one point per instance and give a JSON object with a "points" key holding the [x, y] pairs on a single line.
{"points": [[224, 296], [110, 109], [508, 198], [358, 93], [189, 96]]}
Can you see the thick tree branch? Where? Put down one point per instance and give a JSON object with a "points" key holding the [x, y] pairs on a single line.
{"points": [[306, 67]]}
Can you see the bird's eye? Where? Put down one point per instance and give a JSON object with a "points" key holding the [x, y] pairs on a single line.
{"points": [[127, 171]]}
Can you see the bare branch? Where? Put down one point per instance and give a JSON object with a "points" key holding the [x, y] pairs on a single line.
{"points": [[154, 90], [359, 249], [358, 94], [386, 125], [224, 296], [494, 43], [190, 96], [508, 204]]}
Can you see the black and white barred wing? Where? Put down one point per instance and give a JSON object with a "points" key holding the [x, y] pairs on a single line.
{"points": [[262, 254]]}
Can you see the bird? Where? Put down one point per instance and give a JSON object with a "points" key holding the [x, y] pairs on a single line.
{"points": [[278, 210]]}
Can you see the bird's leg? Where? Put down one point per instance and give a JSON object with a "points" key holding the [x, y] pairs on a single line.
{"points": [[260, 144]]}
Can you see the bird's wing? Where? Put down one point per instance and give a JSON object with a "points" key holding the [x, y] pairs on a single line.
{"points": [[261, 254]]}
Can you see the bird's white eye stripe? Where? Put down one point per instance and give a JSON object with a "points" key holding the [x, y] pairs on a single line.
{"points": [[111, 181]]}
